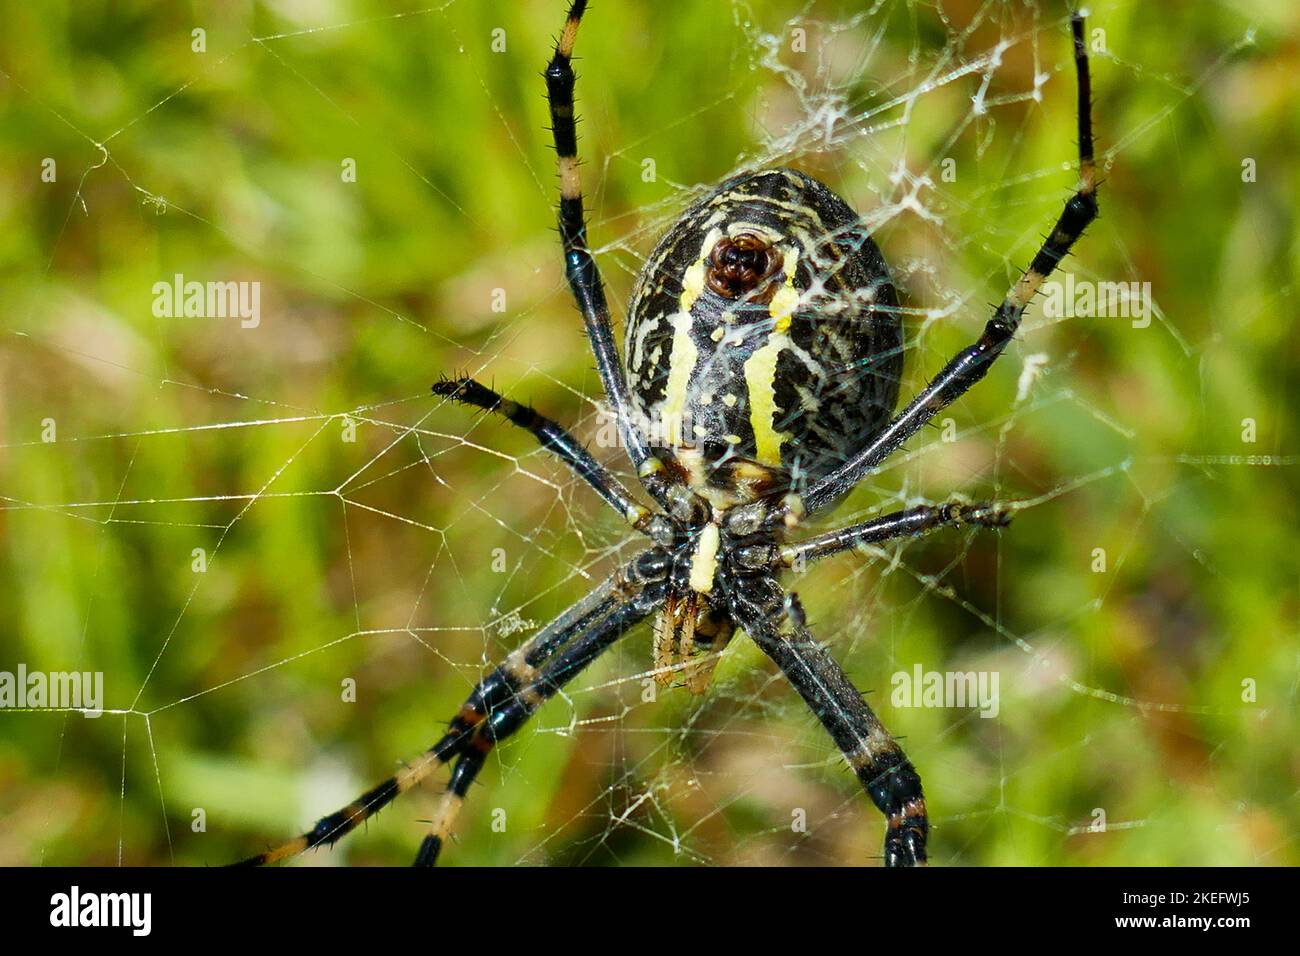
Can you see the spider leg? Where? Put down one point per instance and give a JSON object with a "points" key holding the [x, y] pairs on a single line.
{"points": [[531, 688], [444, 817], [972, 363], [580, 265], [899, 524], [609, 606], [775, 622], [555, 438], [332, 828]]}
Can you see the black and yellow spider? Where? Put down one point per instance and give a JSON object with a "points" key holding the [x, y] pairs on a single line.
{"points": [[758, 384]]}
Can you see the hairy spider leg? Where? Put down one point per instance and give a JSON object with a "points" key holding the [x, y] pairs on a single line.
{"points": [[580, 265], [555, 438], [776, 623], [606, 607], [531, 688], [909, 523]]}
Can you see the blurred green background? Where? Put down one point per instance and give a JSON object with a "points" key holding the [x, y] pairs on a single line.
{"points": [[376, 560]]}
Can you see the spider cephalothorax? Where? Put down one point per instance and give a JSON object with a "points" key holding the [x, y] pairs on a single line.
{"points": [[757, 386]]}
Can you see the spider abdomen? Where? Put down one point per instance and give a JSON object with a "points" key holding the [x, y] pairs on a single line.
{"points": [[763, 338]]}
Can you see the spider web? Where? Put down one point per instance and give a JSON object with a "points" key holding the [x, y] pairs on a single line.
{"points": [[365, 551]]}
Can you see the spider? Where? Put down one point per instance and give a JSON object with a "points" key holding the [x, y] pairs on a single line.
{"points": [[757, 386]]}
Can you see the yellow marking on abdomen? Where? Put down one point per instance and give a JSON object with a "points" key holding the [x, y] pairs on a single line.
{"points": [[760, 369], [693, 280], [681, 362], [684, 355]]}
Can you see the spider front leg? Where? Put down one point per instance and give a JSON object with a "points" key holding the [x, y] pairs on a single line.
{"points": [[555, 438], [775, 622], [971, 365], [579, 263]]}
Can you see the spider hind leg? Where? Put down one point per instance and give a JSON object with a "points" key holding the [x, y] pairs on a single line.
{"points": [[775, 620], [501, 703]]}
